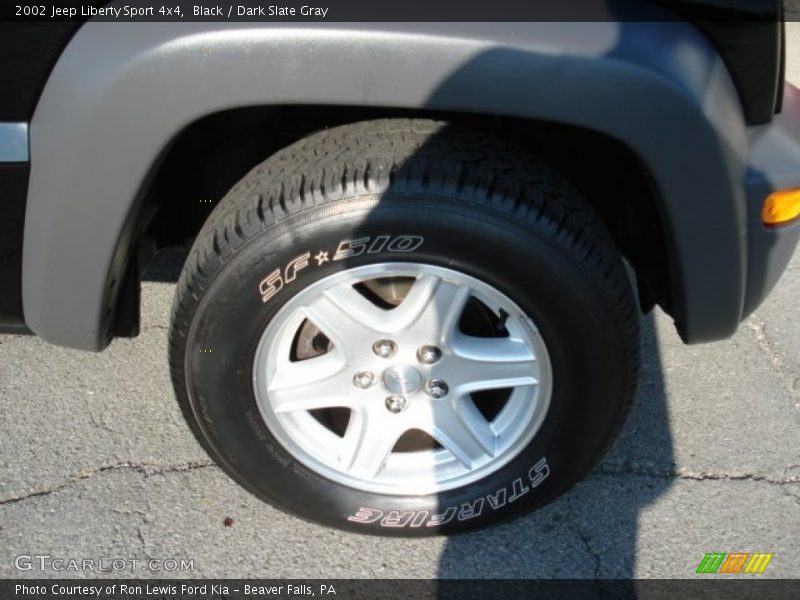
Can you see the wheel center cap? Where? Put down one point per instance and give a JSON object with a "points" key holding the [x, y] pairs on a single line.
{"points": [[402, 379]]}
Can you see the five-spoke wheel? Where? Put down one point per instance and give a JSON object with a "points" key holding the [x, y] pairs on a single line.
{"points": [[422, 378]]}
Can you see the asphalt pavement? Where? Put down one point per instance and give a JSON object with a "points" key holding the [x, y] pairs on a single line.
{"points": [[97, 463]]}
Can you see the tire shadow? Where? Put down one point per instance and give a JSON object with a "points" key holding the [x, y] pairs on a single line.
{"points": [[166, 266], [590, 531]]}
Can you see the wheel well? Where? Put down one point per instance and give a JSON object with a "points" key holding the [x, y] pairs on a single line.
{"points": [[212, 154]]}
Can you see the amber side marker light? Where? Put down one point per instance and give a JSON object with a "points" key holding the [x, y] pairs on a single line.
{"points": [[781, 208]]}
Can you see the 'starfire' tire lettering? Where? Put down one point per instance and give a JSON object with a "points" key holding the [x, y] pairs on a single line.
{"points": [[470, 511], [396, 518], [443, 518], [366, 515], [467, 510]]}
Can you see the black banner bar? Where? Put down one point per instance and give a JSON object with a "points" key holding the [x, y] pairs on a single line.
{"points": [[708, 587], [387, 10]]}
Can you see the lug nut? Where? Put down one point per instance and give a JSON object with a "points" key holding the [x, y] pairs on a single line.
{"points": [[363, 379], [396, 404], [384, 348], [429, 355], [437, 388]]}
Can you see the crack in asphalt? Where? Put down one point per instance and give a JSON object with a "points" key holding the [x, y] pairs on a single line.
{"points": [[785, 374], [607, 470], [142, 539], [790, 493], [154, 327], [97, 422], [585, 541], [143, 468], [610, 469], [144, 515]]}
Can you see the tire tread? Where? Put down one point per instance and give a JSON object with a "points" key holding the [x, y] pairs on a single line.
{"points": [[412, 157]]}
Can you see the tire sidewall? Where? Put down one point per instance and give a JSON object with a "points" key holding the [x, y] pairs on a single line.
{"points": [[546, 279]]}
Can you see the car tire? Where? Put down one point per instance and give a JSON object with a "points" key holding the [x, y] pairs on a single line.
{"points": [[404, 327]]}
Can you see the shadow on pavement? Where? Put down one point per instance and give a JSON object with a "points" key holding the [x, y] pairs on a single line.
{"points": [[590, 531]]}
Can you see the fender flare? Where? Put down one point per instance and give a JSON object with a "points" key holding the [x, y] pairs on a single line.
{"points": [[119, 94]]}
